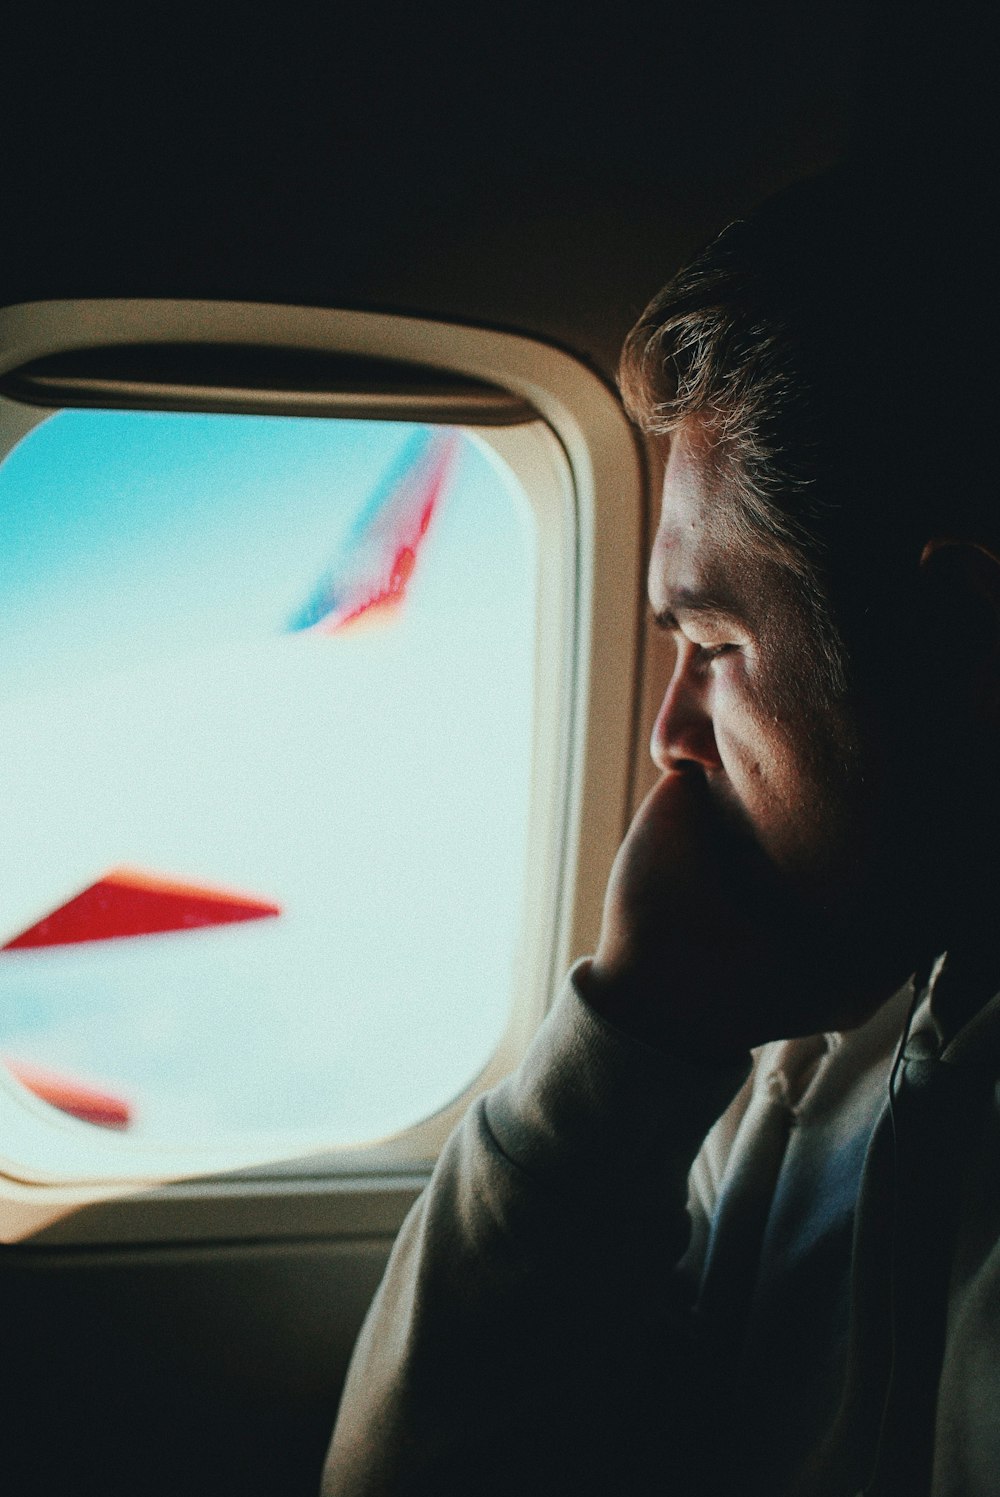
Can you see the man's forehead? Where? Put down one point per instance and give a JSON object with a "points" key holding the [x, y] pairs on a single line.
{"points": [[699, 561]]}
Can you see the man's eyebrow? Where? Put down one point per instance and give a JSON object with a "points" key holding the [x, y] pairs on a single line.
{"points": [[687, 600]]}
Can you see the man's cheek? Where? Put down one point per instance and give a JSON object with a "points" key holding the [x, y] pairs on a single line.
{"points": [[753, 753]]}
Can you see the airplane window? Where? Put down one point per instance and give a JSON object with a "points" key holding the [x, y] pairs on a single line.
{"points": [[266, 727]]}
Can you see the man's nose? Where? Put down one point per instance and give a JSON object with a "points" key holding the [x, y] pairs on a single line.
{"points": [[684, 732]]}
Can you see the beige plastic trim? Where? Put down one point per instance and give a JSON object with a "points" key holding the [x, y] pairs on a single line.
{"points": [[591, 510], [379, 392], [443, 408]]}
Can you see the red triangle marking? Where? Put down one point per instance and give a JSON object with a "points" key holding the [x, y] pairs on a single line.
{"points": [[129, 902]]}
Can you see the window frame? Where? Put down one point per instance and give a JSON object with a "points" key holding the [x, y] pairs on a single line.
{"points": [[592, 740]]}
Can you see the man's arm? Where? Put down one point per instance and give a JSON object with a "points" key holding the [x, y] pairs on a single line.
{"points": [[529, 1335]]}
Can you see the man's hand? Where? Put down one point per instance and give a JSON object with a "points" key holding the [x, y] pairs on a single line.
{"points": [[700, 948]]}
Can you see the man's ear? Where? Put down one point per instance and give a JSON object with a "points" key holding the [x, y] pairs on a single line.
{"points": [[960, 582]]}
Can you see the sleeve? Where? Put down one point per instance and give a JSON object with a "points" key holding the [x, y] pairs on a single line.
{"points": [[530, 1335]]}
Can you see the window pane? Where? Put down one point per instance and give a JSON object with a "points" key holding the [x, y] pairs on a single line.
{"points": [[266, 733]]}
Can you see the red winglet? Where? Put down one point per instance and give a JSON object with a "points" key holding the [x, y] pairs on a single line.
{"points": [[80, 1101], [128, 902]]}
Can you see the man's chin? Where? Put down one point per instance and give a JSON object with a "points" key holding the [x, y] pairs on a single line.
{"points": [[848, 966]]}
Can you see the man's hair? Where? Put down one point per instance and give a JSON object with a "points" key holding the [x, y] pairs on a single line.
{"points": [[839, 363], [706, 350]]}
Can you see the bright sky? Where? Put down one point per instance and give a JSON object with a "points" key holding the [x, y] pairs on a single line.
{"points": [[156, 712]]}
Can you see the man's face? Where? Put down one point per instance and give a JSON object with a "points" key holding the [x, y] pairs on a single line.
{"points": [[859, 821], [746, 703]]}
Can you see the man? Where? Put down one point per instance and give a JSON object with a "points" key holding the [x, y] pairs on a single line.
{"points": [[816, 861]]}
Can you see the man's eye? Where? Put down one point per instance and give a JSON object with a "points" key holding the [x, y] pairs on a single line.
{"points": [[713, 652]]}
